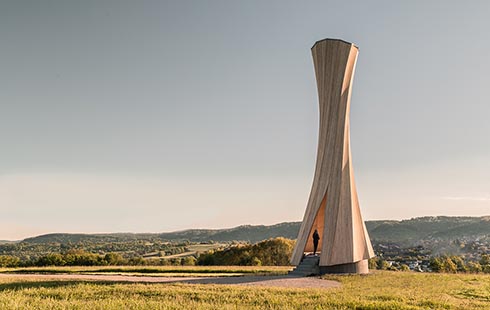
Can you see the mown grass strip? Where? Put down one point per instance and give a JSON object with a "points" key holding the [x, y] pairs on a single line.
{"points": [[160, 270]]}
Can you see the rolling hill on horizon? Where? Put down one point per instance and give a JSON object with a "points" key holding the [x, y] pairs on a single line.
{"points": [[406, 232]]}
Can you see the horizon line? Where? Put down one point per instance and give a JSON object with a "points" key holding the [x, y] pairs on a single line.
{"points": [[225, 228]]}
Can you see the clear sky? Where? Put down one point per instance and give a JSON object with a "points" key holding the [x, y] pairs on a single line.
{"points": [[150, 116]]}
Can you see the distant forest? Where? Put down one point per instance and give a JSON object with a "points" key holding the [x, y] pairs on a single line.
{"points": [[397, 242], [407, 232]]}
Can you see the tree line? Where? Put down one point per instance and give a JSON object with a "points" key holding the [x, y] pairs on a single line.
{"points": [[272, 252], [442, 263], [82, 258], [456, 264]]}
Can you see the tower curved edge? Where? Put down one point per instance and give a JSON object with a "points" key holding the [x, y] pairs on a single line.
{"points": [[333, 206]]}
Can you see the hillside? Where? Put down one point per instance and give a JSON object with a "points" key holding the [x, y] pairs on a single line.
{"points": [[248, 233], [6, 241], [428, 228], [406, 231]]}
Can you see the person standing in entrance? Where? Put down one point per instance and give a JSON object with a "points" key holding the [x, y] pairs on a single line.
{"points": [[316, 238]]}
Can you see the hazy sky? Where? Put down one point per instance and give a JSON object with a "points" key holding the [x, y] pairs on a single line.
{"points": [[151, 116]]}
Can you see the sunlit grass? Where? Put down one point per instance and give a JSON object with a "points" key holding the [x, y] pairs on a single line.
{"points": [[419, 290], [381, 290]]}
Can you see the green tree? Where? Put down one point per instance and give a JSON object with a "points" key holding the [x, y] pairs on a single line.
{"points": [[53, 259], [9, 261], [485, 260], [175, 262], [460, 263], [448, 265], [486, 268], [189, 261], [206, 259], [485, 263], [255, 261], [137, 261], [436, 265], [404, 267], [114, 259], [373, 263], [474, 267], [382, 264]]}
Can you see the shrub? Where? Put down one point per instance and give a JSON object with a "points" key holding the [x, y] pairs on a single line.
{"points": [[272, 252]]}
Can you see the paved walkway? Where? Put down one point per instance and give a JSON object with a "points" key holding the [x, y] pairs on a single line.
{"points": [[270, 281]]}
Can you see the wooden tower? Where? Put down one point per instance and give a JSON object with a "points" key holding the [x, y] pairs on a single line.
{"points": [[333, 206]]}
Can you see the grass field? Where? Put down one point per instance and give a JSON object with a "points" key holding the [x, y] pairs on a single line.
{"points": [[167, 271], [381, 290]]}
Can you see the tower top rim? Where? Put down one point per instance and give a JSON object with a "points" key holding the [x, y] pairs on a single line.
{"points": [[337, 40]]}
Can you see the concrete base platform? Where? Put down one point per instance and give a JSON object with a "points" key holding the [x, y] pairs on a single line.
{"points": [[360, 267]]}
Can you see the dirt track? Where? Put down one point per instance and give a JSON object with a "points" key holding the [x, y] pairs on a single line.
{"points": [[270, 281]]}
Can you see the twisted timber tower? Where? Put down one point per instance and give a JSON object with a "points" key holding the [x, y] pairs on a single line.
{"points": [[333, 206]]}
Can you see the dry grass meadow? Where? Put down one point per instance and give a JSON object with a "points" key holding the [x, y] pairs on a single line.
{"points": [[380, 290]]}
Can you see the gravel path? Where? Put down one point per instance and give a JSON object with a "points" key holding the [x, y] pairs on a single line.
{"points": [[270, 281]]}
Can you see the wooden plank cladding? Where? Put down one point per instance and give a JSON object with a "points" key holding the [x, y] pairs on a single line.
{"points": [[333, 206]]}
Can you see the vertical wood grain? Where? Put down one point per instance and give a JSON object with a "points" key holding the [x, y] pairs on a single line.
{"points": [[333, 206]]}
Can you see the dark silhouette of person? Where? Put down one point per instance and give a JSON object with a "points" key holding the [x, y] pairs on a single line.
{"points": [[316, 238]]}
